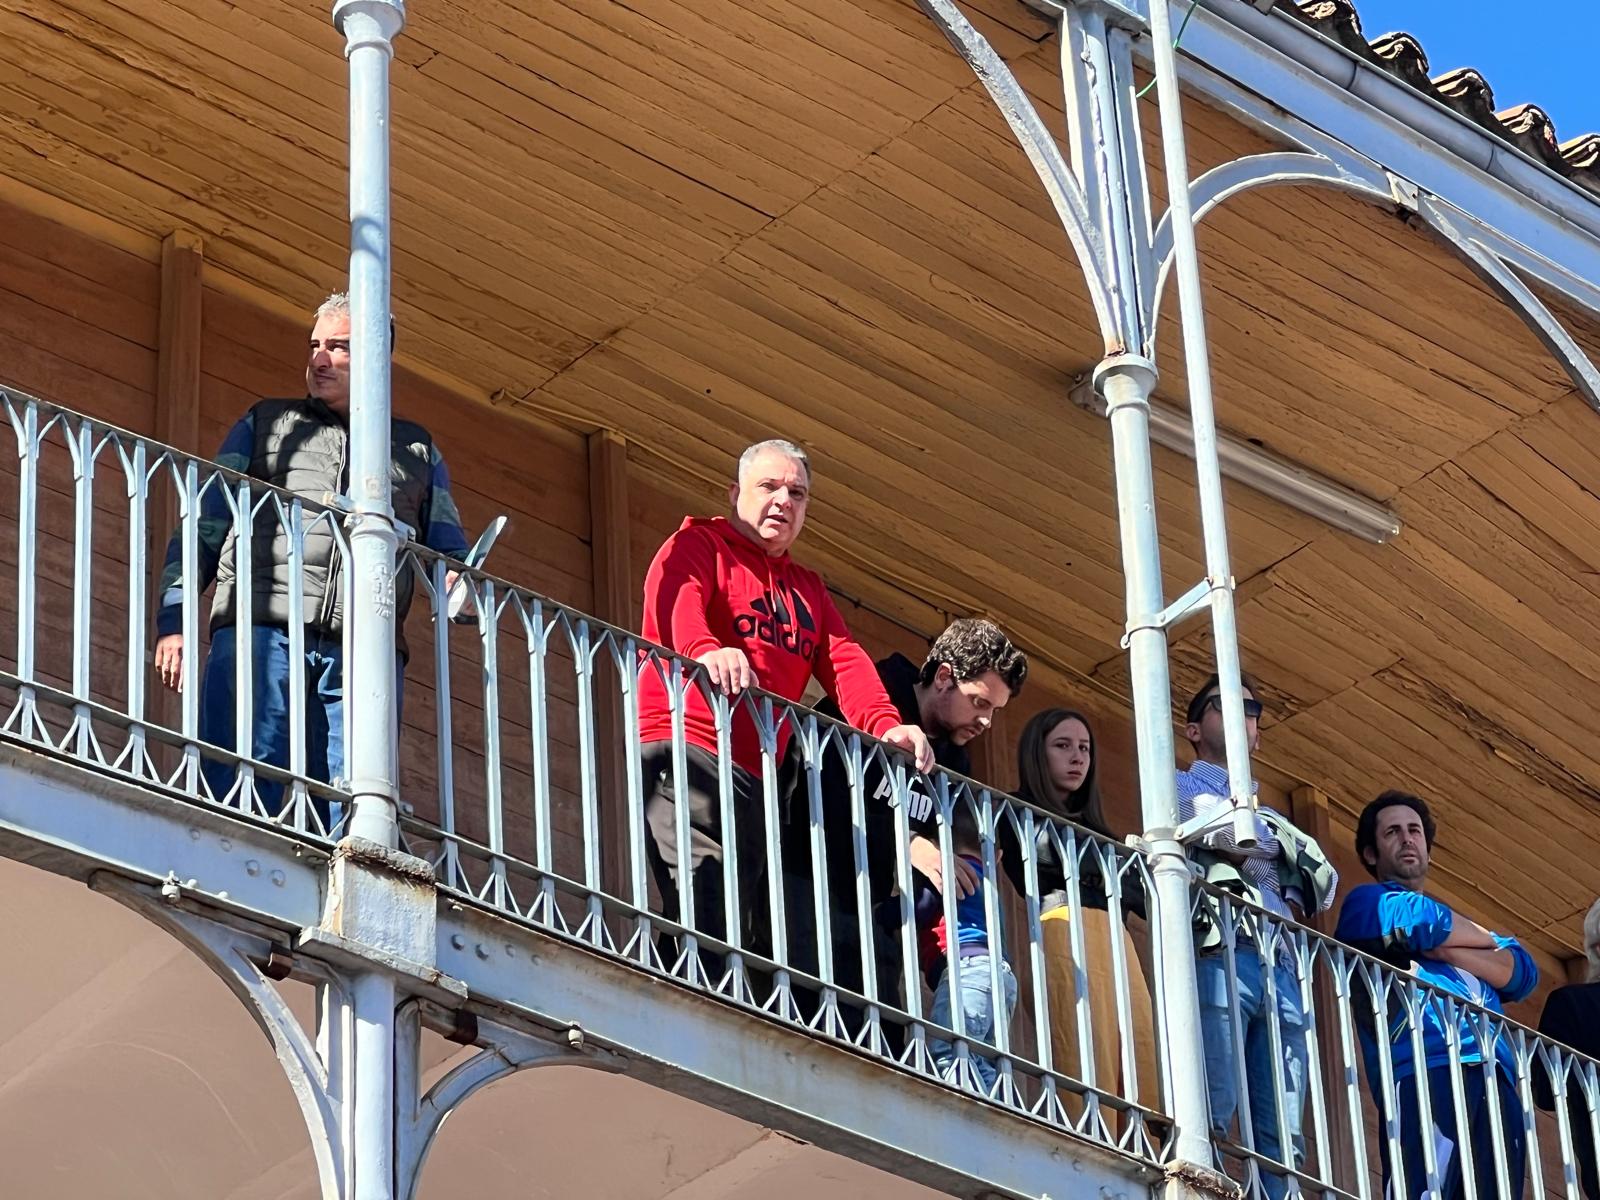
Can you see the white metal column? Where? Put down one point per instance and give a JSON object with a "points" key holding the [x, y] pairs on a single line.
{"points": [[1208, 472], [371, 686], [1101, 196], [369, 27]]}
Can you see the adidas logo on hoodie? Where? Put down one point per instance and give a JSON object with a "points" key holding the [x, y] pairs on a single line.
{"points": [[788, 626]]}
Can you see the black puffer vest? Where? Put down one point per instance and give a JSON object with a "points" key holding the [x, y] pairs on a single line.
{"points": [[302, 446]]}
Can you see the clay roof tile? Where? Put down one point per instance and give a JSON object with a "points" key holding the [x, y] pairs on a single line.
{"points": [[1525, 126]]}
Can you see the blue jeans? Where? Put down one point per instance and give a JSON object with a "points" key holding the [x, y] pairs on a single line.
{"points": [[978, 1011], [1222, 1084], [269, 711]]}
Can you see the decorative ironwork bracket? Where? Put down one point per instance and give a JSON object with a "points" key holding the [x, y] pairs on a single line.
{"points": [[1099, 193]]}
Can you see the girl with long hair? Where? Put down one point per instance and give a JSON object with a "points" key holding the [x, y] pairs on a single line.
{"points": [[1056, 764]]}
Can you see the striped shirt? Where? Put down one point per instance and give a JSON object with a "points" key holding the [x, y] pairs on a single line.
{"points": [[1203, 790]]}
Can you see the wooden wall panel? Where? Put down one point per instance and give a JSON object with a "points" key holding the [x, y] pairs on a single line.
{"points": [[78, 327], [77, 320]]}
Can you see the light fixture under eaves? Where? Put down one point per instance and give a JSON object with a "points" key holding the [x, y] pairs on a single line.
{"points": [[1263, 471]]}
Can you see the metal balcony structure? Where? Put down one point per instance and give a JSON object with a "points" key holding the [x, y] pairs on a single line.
{"points": [[516, 913], [507, 903], [496, 922]]}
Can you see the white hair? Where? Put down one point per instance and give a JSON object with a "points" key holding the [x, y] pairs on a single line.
{"points": [[1591, 941], [786, 448], [339, 303]]}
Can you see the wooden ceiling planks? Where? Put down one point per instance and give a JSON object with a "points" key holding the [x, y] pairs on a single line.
{"points": [[978, 218], [1313, 653], [503, 231], [1403, 602], [1321, 336], [1557, 503], [695, 141], [1464, 547], [604, 233], [1304, 290], [1358, 251], [77, 103], [756, 62]]}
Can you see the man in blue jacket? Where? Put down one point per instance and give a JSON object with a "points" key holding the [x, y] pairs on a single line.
{"points": [[301, 445], [1453, 955]]}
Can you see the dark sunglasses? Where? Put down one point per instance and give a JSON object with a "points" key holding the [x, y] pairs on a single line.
{"points": [[1252, 708]]}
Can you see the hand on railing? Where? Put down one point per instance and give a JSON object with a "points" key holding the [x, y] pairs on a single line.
{"points": [[914, 742], [728, 669], [460, 604], [169, 661]]}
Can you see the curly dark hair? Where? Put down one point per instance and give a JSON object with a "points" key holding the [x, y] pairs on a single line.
{"points": [[972, 646], [1367, 823]]}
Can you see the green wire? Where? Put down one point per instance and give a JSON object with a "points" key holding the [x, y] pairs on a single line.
{"points": [[1193, 4]]}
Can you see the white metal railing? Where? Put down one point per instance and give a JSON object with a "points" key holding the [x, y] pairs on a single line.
{"points": [[538, 783], [522, 780], [87, 537], [1361, 1019]]}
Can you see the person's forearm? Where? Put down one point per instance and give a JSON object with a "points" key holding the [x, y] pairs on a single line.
{"points": [[1467, 934], [1494, 967]]}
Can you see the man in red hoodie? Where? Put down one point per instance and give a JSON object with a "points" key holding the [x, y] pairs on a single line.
{"points": [[724, 592]]}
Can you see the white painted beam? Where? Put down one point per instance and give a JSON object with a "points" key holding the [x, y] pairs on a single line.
{"points": [[761, 1070]]}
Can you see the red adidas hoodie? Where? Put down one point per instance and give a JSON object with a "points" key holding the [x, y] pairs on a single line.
{"points": [[710, 586]]}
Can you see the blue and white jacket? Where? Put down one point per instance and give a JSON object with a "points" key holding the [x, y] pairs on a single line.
{"points": [[1400, 926]]}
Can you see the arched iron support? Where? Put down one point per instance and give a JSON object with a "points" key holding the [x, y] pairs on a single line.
{"points": [[1320, 159], [1279, 168], [1449, 223], [237, 955], [504, 1052], [1037, 143]]}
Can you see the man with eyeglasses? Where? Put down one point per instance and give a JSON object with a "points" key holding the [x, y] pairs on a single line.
{"points": [[1284, 868]]}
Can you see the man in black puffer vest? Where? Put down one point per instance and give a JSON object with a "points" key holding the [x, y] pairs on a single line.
{"points": [[301, 446]]}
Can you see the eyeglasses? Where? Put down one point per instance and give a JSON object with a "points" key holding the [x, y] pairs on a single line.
{"points": [[1252, 708]]}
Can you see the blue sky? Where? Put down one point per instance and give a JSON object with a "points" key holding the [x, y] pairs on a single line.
{"points": [[1528, 51]]}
